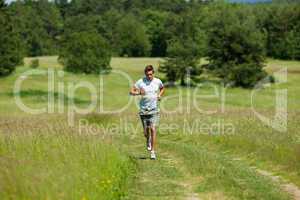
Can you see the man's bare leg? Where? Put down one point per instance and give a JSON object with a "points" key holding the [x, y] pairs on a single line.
{"points": [[147, 133], [153, 142], [153, 137]]}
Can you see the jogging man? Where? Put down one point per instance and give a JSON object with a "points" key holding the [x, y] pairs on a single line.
{"points": [[151, 89]]}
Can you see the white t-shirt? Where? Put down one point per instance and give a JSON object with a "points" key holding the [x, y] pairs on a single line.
{"points": [[148, 101]]}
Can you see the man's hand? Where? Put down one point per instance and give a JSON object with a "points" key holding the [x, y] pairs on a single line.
{"points": [[159, 97], [135, 91]]}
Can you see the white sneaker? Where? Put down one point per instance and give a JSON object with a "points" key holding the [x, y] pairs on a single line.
{"points": [[153, 156], [149, 144]]}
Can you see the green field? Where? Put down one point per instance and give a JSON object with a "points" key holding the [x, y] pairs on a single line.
{"points": [[42, 157]]}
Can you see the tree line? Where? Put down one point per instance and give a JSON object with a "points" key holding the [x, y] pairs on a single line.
{"points": [[228, 34]]}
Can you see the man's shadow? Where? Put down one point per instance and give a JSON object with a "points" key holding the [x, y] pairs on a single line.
{"points": [[137, 157], [142, 158]]}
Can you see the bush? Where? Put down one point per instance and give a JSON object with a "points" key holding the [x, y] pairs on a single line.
{"points": [[246, 75], [35, 63], [86, 52]]}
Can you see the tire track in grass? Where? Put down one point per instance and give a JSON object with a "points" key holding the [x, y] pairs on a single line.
{"points": [[222, 174], [167, 178], [286, 186], [164, 178], [155, 179], [188, 182], [185, 171]]}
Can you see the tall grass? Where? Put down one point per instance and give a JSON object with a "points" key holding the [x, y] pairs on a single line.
{"points": [[62, 165], [59, 163]]}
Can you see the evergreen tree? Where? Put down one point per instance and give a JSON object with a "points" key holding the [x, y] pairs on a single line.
{"points": [[155, 23], [182, 62], [132, 39], [184, 50], [39, 24], [283, 28], [10, 46], [2, 4], [235, 47], [63, 6]]}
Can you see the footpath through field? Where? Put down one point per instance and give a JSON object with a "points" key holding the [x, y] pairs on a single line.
{"points": [[187, 171], [164, 178]]}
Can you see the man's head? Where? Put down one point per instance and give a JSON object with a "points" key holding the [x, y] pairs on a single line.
{"points": [[149, 72]]}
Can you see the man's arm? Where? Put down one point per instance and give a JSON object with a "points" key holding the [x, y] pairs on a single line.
{"points": [[161, 92], [135, 91]]}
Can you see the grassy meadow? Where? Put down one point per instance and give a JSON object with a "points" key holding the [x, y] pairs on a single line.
{"points": [[42, 157]]}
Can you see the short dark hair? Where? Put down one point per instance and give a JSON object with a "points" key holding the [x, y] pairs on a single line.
{"points": [[149, 68]]}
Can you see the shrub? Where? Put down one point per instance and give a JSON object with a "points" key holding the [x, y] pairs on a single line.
{"points": [[35, 63], [86, 52]]}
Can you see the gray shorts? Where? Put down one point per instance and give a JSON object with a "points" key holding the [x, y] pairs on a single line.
{"points": [[150, 120]]}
